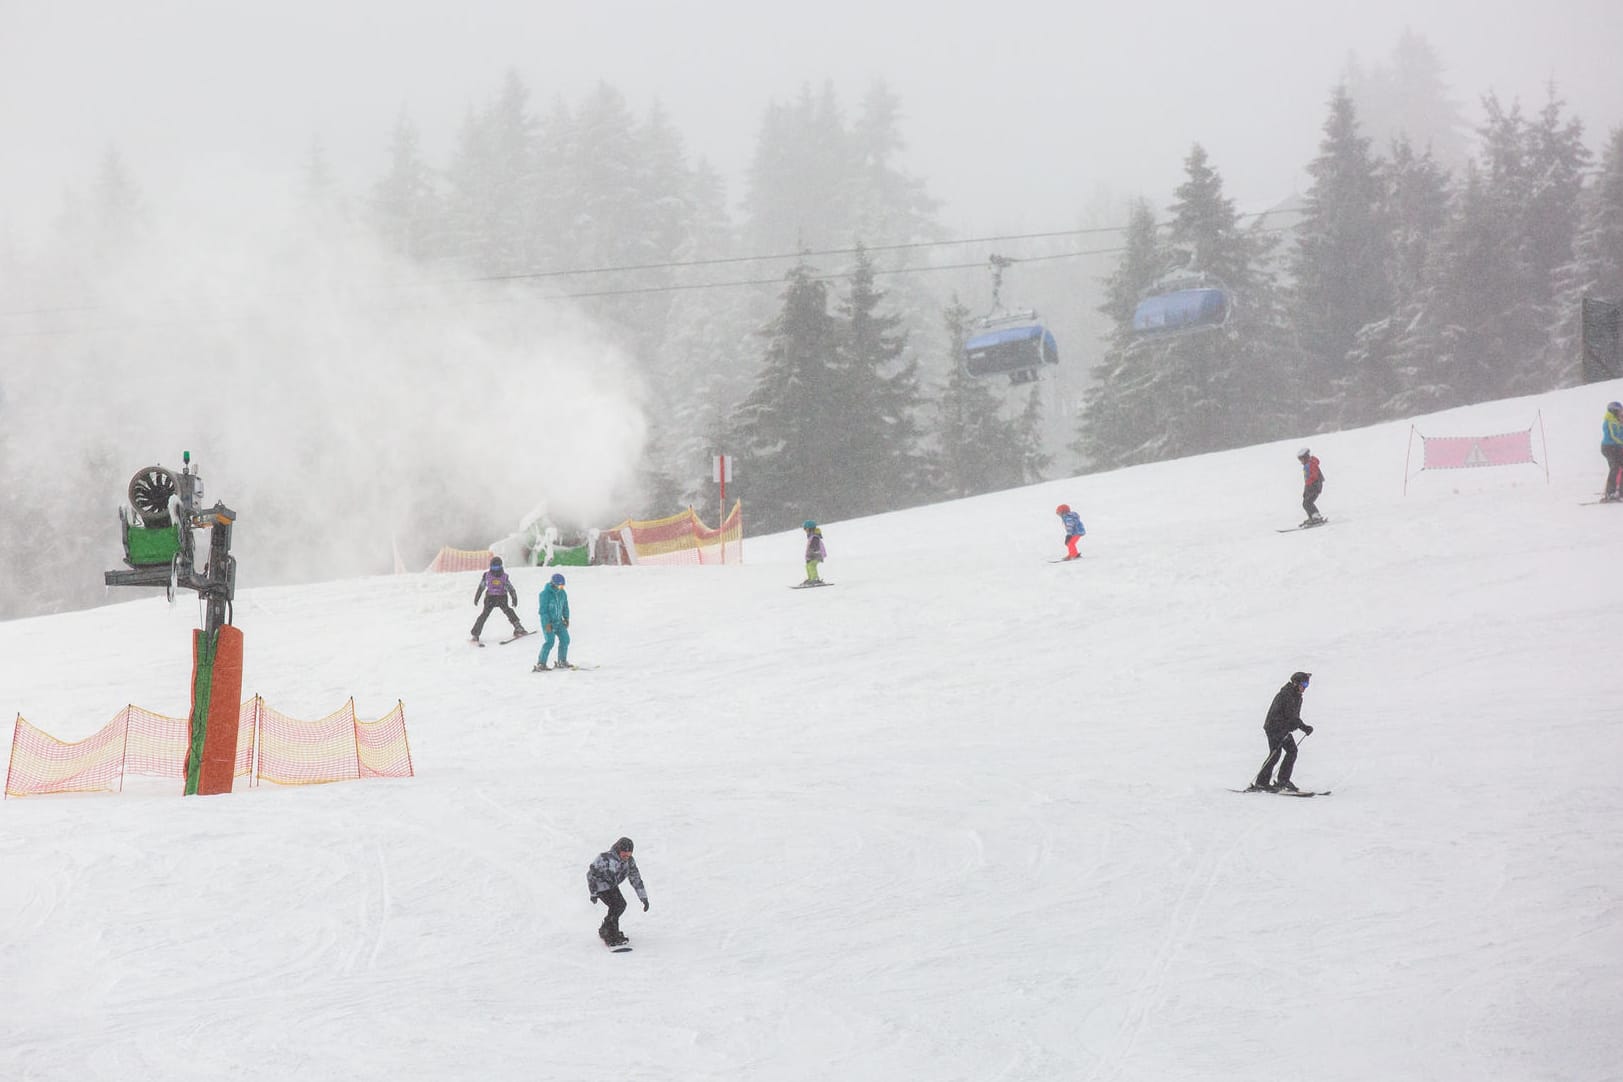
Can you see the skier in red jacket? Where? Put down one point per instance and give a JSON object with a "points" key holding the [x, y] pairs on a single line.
{"points": [[1312, 485]]}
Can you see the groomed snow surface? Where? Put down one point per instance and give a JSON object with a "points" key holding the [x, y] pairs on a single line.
{"points": [[963, 816]]}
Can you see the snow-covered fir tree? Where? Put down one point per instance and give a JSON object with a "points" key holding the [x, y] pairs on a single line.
{"points": [[1405, 96], [781, 431], [404, 210], [877, 443], [1222, 388], [493, 183], [1118, 426], [1596, 270], [1414, 209], [1338, 267]]}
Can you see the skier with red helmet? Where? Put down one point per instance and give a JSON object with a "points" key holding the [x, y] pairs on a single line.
{"points": [[1074, 530]]}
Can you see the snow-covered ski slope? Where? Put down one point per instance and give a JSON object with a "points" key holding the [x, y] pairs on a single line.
{"points": [[965, 817]]}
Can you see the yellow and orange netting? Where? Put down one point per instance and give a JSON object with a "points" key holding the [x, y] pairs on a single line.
{"points": [[271, 746], [684, 539], [450, 559]]}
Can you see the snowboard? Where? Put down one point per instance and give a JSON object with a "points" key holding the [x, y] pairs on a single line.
{"points": [[810, 585], [1284, 792], [1307, 526], [623, 948], [517, 637], [572, 668], [1064, 560]]}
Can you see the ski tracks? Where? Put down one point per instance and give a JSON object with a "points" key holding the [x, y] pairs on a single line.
{"points": [[1149, 991], [373, 905]]}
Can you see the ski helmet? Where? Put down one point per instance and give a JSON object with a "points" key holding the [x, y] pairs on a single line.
{"points": [[1300, 679], [1614, 407], [809, 524], [495, 563], [623, 846], [1303, 453], [1063, 509], [557, 579]]}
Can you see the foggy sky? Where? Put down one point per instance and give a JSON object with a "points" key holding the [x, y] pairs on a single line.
{"points": [[1016, 112]]}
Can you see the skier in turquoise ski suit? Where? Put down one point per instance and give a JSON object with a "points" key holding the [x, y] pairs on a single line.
{"points": [[555, 623]]}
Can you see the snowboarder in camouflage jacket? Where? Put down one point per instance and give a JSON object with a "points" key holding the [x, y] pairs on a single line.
{"points": [[603, 878]]}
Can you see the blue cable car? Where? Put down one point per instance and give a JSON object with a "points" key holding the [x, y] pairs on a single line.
{"points": [[1017, 351], [1014, 344], [1182, 311]]}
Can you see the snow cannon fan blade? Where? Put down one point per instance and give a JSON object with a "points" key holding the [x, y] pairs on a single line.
{"points": [[151, 489]]}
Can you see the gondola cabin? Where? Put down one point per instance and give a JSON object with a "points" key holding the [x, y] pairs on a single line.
{"points": [[1016, 351], [1181, 311]]}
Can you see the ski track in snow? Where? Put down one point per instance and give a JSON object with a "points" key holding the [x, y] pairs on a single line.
{"points": [[963, 818]]}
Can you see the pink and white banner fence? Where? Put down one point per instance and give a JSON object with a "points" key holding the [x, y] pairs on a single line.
{"points": [[1470, 452]]}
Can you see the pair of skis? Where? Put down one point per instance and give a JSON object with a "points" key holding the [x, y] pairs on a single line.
{"points": [[503, 642], [1283, 792]]}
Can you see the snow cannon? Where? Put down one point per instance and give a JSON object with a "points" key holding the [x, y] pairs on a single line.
{"points": [[157, 531]]}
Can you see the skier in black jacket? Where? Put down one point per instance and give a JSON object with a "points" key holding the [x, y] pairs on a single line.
{"points": [[1284, 716]]}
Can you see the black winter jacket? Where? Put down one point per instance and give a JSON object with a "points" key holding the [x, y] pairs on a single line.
{"points": [[1285, 713]]}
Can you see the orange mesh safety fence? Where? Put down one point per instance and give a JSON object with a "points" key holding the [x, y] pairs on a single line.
{"points": [[271, 746], [450, 559], [40, 763], [157, 744], [294, 752], [684, 539], [382, 747]]}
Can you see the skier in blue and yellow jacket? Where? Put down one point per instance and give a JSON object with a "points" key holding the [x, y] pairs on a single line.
{"points": [[1611, 445]]}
